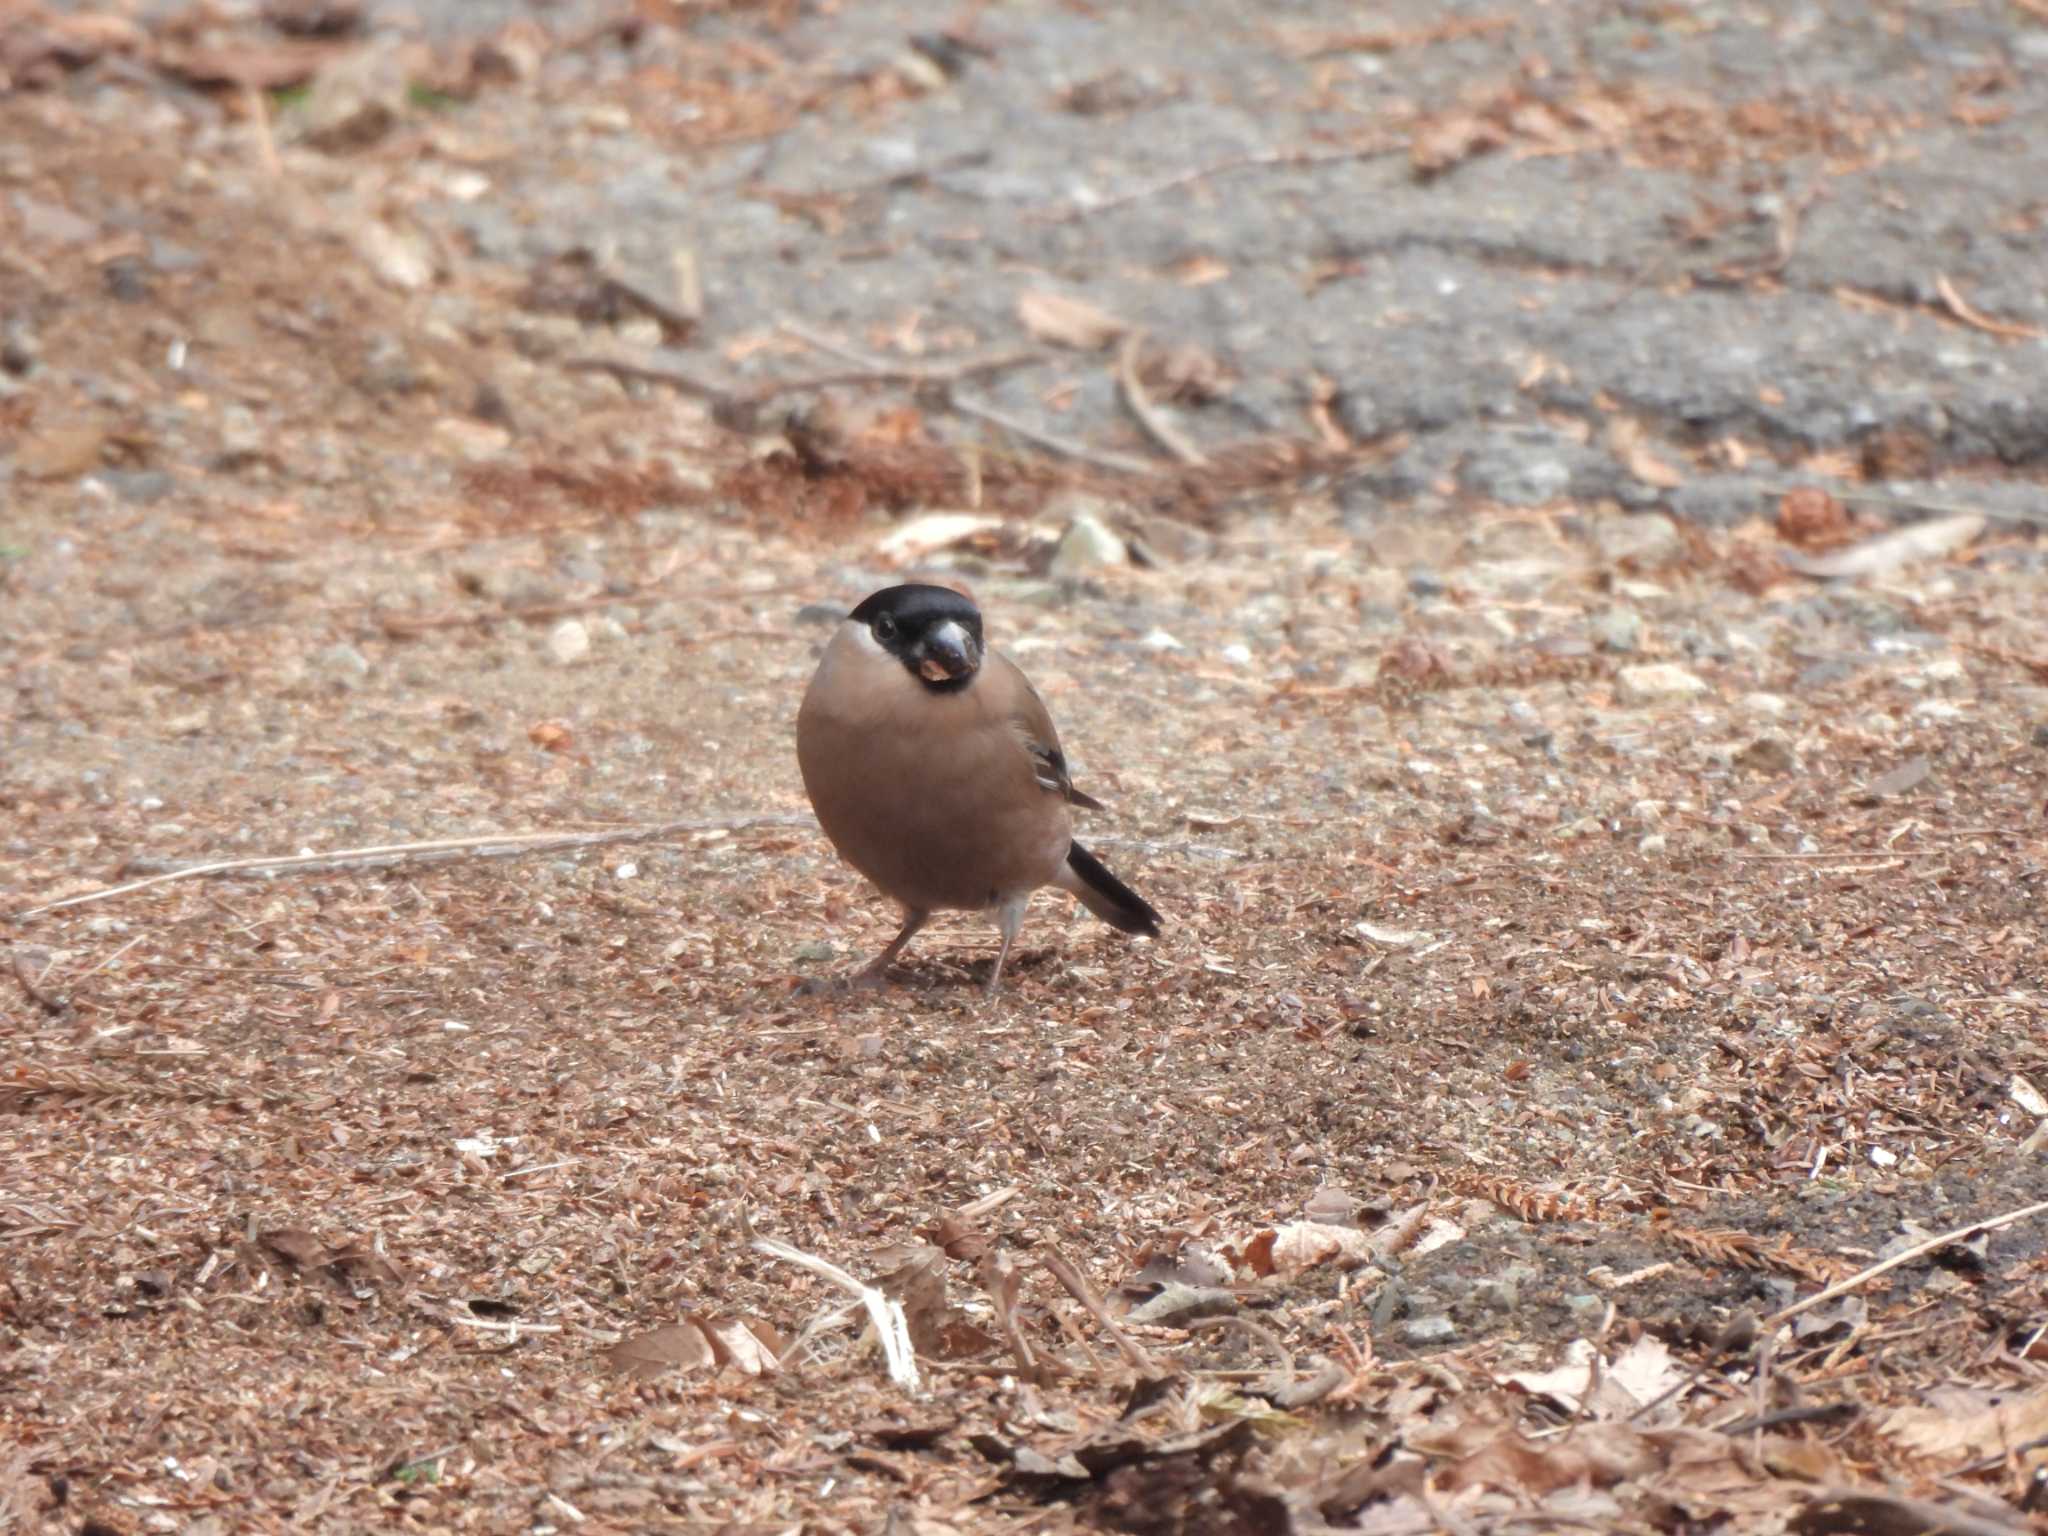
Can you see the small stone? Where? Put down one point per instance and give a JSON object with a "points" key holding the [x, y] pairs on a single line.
{"points": [[1769, 705], [1425, 583], [1089, 544], [568, 642], [1422, 1331], [1656, 683], [1940, 710], [1619, 630], [1769, 753], [51, 224], [2041, 734], [19, 348], [1239, 655], [820, 613], [401, 258], [474, 441], [343, 664], [61, 453], [1645, 540]]}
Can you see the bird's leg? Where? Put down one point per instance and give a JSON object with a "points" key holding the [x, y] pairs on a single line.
{"points": [[871, 974], [1010, 918]]}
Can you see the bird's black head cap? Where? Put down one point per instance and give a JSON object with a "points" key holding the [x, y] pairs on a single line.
{"points": [[933, 631]]}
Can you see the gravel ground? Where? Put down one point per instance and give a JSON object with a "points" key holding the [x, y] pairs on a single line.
{"points": [[1603, 892]]}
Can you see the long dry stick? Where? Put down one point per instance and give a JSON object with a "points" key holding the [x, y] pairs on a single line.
{"points": [[501, 845], [1065, 447], [1277, 159], [1863, 1277], [1148, 415], [1916, 1514], [866, 370], [1078, 1287]]}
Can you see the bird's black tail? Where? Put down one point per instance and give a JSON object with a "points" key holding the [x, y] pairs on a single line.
{"points": [[1106, 896]]}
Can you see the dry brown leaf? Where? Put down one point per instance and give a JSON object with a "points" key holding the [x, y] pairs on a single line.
{"points": [[295, 1246], [746, 1344], [551, 736], [1300, 1245], [676, 1347], [1889, 551], [1628, 442], [1450, 140], [1809, 517], [1068, 322], [1968, 1423]]}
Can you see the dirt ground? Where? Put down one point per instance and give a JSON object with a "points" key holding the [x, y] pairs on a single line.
{"points": [[1588, 934]]}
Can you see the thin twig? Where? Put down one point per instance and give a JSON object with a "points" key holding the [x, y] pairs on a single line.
{"points": [[51, 1003], [731, 396], [1078, 1287], [1065, 447], [504, 845], [1277, 159], [1964, 311], [1884, 1267], [1147, 415], [892, 1327], [2025, 517], [1264, 1335], [889, 370], [1918, 1514]]}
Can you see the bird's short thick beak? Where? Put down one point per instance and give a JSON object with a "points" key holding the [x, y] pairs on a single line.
{"points": [[947, 654]]}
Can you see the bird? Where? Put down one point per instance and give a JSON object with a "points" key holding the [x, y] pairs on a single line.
{"points": [[936, 772]]}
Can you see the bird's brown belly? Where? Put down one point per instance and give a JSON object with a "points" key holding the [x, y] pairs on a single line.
{"points": [[963, 834]]}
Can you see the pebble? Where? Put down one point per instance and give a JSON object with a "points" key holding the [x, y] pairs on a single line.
{"points": [[474, 441], [1619, 630], [1769, 753], [1428, 1330], [1657, 682], [401, 258], [2041, 734], [343, 664], [1939, 710], [568, 642], [1769, 705], [1645, 539], [1089, 544]]}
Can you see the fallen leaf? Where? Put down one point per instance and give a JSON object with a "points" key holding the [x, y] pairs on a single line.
{"points": [[1910, 774], [1888, 551], [1809, 517], [1393, 938], [1068, 322], [1303, 1245], [678, 1346], [1628, 443], [934, 531], [748, 1346], [295, 1245], [1969, 1424]]}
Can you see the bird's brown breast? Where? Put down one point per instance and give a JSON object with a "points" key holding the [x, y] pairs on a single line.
{"points": [[932, 796]]}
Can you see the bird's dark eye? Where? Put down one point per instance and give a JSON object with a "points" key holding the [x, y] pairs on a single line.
{"points": [[885, 627]]}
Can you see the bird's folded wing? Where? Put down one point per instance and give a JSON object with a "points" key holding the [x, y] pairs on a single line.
{"points": [[1032, 722]]}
